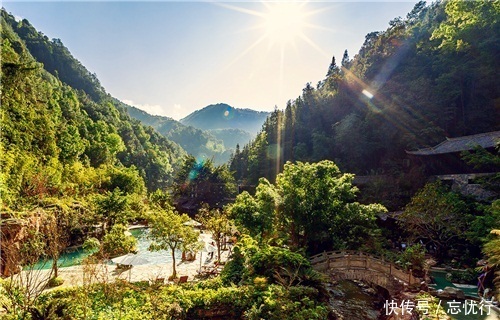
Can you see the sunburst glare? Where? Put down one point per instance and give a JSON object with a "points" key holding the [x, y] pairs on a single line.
{"points": [[284, 22]]}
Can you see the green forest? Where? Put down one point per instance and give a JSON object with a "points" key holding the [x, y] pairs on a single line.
{"points": [[77, 170]]}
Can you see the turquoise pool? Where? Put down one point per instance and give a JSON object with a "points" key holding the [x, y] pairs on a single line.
{"points": [[441, 283], [75, 257]]}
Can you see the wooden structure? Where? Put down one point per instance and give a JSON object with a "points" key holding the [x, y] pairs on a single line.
{"points": [[445, 158], [354, 265]]}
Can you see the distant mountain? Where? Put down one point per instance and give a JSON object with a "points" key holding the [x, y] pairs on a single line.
{"points": [[199, 143], [223, 116], [232, 137]]}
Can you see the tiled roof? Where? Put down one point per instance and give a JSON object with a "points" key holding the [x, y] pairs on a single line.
{"points": [[450, 145]]}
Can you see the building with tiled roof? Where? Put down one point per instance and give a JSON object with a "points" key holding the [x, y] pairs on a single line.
{"points": [[446, 158], [459, 144]]}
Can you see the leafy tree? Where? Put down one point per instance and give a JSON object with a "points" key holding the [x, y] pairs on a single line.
{"points": [[113, 207], [202, 182], [116, 242], [168, 232], [56, 231], [413, 257], [217, 222], [480, 158], [256, 214], [485, 220], [492, 250], [312, 204], [436, 216], [318, 207], [465, 21], [244, 211]]}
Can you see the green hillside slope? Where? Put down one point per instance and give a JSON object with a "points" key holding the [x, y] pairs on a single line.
{"points": [[196, 142], [59, 139]]}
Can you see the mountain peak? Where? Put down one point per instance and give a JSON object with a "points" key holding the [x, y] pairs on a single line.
{"points": [[224, 116]]}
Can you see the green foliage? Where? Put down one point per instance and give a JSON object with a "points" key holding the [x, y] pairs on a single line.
{"points": [[467, 20], [313, 205], [480, 158], [217, 222], [113, 207], [413, 258], [234, 269], [256, 214], [436, 216], [319, 210], [116, 242], [91, 245], [191, 301], [203, 182], [487, 219], [468, 276], [55, 282], [49, 128], [168, 232], [492, 250], [435, 307]]}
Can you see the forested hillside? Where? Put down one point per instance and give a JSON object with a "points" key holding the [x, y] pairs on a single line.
{"points": [[430, 75], [196, 142], [62, 134], [223, 116]]}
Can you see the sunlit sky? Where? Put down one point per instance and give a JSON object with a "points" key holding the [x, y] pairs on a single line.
{"points": [[171, 58]]}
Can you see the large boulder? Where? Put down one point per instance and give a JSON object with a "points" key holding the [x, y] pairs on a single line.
{"points": [[451, 293]]}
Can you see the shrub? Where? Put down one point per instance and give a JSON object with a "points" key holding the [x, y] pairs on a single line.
{"points": [[55, 282]]}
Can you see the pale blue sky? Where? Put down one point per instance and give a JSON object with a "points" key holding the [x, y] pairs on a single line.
{"points": [[171, 58]]}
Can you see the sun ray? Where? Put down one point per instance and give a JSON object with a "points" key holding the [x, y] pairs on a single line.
{"points": [[239, 9], [314, 45], [284, 25], [253, 45]]}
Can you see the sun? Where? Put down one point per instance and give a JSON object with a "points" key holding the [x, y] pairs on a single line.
{"points": [[284, 22]]}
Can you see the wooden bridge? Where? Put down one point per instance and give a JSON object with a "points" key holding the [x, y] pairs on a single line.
{"points": [[354, 265]]}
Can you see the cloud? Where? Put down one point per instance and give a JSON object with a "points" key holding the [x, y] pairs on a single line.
{"points": [[154, 109], [178, 112]]}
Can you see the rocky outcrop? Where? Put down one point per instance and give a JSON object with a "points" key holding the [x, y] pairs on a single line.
{"points": [[13, 231], [450, 293]]}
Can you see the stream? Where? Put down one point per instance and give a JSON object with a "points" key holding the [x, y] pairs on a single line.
{"points": [[355, 300]]}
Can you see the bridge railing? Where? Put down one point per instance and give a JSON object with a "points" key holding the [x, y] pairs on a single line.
{"points": [[348, 259]]}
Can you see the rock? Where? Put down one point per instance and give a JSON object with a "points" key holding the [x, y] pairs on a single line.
{"points": [[451, 292]]}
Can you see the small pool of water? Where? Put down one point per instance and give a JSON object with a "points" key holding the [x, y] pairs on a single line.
{"points": [[441, 282], [75, 257]]}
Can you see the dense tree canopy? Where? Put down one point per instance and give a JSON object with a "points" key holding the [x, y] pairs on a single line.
{"points": [[312, 205], [199, 182]]}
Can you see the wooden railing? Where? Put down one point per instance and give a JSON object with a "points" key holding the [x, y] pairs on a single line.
{"points": [[348, 260]]}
